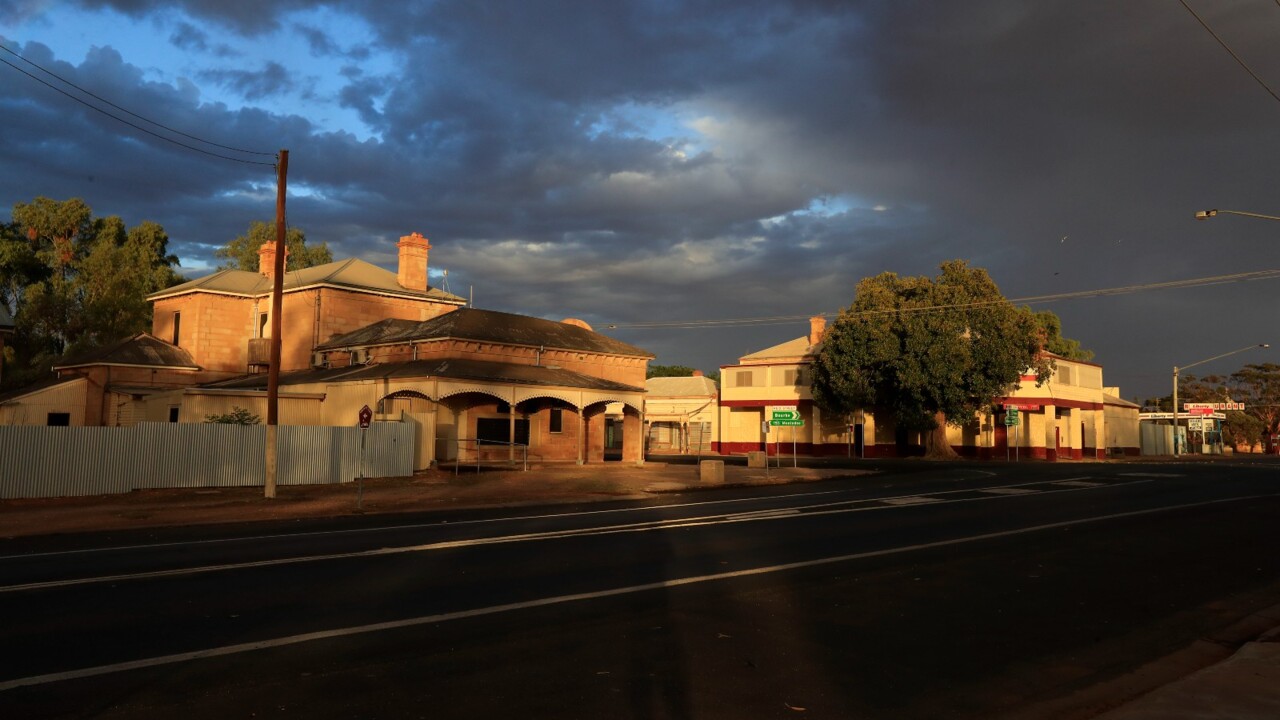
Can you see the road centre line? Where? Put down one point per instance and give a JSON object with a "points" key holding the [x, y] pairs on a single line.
{"points": [[557, 600], [414, 526], [843, 506]]}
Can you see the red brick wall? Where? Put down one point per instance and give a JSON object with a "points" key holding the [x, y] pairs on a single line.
{"points": [[216, 329]]}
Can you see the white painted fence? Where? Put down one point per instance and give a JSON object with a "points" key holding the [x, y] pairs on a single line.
{"points": [[61, 461]]}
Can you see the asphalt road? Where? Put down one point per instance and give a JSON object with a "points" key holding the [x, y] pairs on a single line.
{"points": [[928, 591]]}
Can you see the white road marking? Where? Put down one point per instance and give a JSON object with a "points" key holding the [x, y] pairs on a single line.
{"points": [[762, 514], [843, 506], [1149, 474], [420, 526], [1082, 483], [1008, 491], [561, 599]]}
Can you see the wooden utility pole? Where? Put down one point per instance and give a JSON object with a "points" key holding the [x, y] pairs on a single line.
{"points": [[277, 292]]}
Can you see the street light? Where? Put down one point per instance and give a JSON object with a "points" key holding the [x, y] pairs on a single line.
{"points": [[1176, 369], [1206, 214]]}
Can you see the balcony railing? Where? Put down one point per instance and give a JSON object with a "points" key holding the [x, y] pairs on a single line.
{"points": [[259, 351]]}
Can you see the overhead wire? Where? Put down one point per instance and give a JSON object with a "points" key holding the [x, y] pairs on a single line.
{"points": [[1231, 52], [1030, 300], [135, 126]]}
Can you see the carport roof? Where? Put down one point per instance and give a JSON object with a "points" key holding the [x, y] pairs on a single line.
{"points": [[453, 369]]}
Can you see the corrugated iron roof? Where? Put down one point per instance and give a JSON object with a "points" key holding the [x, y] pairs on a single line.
{"points": [[351, 273], [481, 370], [36, 387], [791, 348], [488, 326], [699, 386], [141, 349]]}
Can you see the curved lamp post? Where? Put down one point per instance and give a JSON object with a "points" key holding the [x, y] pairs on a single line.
{"points": [[1206, 214], [1177, 369]]}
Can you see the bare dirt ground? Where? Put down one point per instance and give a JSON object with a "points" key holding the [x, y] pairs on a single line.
{"points": [[433, 490]]}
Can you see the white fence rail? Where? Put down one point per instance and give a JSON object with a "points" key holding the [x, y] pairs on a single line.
{"points": [[62, 461]]}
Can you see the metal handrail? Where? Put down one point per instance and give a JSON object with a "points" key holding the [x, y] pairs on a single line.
{"points": [[524, 452]]}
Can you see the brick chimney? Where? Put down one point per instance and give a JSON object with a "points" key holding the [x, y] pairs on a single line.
{"points": [[267, 259], [697, 373], [817, 326], [412, 274]]}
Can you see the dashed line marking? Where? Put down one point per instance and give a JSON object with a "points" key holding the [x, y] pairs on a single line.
{"points": [[543, 602], [911, 500]]}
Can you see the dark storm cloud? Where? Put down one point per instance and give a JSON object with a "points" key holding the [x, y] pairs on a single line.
{"points": [[189, 37], [272, 79], [514, 135]]}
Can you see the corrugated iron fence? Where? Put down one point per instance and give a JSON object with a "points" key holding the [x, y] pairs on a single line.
{"points": [[61, 461]]}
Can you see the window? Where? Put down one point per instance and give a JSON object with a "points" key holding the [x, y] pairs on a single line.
{"points": [[742, 378], [1064, 374], [177, 327], [791, 377], [262, 325], [173, 414], [557, 420], [57, 419], [496, 430]]}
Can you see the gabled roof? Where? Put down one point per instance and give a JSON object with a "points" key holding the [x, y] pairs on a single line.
{"points": [[482, 370], [790, 349], [352, 273], [1109, 399], [489, 326], [37, 387], [698, 386], [143, 349]]}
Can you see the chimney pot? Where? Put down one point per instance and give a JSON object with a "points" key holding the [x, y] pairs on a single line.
{"points": [[267, 259], [817, 328], [412, 273]]}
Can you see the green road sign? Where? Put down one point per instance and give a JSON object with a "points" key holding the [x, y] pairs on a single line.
{"points": [[786, 416], [1011, 416]]}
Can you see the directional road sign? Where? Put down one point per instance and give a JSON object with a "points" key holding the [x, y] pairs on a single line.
{"points": [[786, 416]]}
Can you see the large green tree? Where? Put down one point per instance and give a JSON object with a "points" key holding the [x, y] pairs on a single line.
{"points": [[73, 282], [1054, 342], [927, 351], [669, 371], [242, 252], [1258, 387]]}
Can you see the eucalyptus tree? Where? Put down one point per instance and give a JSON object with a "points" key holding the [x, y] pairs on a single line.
{"points": [[928, 351]]}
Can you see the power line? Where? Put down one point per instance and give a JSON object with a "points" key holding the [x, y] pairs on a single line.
{"points": [[134, 125], [128, 112], [1031, 300], [1231, 52]]}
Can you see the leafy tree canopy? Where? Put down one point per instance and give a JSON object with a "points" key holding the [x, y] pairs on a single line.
{"points": [[1054, 342], [669, 371], [242, 252], [237, 416], [74, 282], [927, 351]]}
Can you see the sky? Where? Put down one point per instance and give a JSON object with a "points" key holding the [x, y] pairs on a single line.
{"points": [[647, 165]]}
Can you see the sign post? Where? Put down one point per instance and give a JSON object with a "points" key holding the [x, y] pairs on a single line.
{"points": [[366, 417], [786, 416], [1010, 421]]}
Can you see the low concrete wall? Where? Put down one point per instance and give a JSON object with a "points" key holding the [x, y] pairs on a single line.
{"points": [[711, 472]]}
